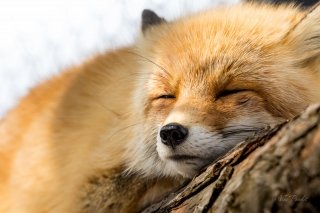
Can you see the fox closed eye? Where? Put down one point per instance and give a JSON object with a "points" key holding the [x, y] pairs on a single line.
{"points": [[166, 97], [226, 93]]}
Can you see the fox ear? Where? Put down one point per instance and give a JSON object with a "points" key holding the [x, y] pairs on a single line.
{"points": [[150, 18], [305, 37]]}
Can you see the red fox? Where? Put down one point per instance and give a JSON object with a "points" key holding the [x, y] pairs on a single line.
{"points": [[124, 128]]}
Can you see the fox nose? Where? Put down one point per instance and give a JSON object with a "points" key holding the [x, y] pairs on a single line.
{"points": [[173, 134]]}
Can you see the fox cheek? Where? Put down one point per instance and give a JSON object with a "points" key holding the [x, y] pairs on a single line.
{"points": [[248, 100], [244, 101]]}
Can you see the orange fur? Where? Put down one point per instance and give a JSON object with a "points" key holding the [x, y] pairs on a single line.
{"points": [[69, 144]]}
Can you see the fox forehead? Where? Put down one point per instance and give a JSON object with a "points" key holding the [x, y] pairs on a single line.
{"points": [[219, 30], [222, 43], [225, 31]]}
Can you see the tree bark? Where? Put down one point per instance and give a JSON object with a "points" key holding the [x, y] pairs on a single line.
{"points": [[278, 170]]}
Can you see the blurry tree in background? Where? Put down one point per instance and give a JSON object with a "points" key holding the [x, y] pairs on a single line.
{"points": [[303, 3]]}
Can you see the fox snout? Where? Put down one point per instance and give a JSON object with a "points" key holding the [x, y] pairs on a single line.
{"points": [[173, 134]]}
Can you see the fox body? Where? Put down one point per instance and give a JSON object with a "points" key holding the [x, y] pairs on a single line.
{"points": [[124, 128]]}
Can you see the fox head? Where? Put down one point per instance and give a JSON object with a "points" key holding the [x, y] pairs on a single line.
{"points": [[210, 80]]}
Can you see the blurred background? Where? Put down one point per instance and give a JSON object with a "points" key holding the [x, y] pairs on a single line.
{"points": [[39, 38]]}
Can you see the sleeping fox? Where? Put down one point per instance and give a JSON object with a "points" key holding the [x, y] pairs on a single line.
{"points": [[121, 130]]}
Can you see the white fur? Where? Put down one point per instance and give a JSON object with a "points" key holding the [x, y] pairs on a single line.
{"points": [[200, 142]]}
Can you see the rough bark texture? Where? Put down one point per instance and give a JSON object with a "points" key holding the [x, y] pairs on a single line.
{"points": [[278, 170]]}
